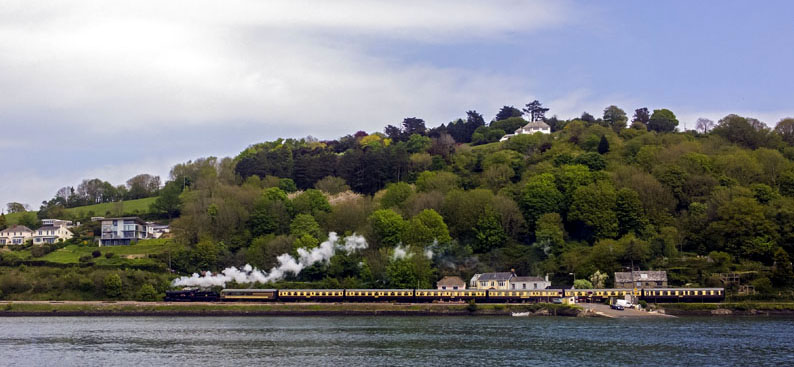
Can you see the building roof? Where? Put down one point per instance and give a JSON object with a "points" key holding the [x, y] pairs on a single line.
{"points": [[495, 276], [527, 279], [641, 276], [451, 281], [16, 228], [139, 220], [535, 125]]}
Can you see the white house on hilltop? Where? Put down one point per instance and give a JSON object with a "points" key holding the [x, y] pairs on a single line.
{"points": [[530, 128]]}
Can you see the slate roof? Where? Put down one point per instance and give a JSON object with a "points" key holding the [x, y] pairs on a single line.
{"points": [[16, 228], [650, 276], [503, 276], [527, 279], [451, 281]]}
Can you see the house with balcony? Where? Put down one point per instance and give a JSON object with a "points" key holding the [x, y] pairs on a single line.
{"points": [[122, 231], [52, 234], [15, 235]]}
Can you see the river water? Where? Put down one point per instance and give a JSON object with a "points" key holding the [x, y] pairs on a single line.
{"points": [[395, 341]]}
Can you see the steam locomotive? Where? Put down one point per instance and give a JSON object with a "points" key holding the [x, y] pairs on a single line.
{"points": [[655, 295]]}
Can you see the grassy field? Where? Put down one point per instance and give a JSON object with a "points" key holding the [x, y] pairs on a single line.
{"points": [[123, 255], [130, 207]]}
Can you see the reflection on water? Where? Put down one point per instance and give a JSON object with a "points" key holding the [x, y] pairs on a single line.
{"points": [[395, 341]]}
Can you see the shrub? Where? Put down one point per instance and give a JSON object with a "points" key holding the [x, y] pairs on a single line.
{"points": [[108, 255], [147, 293], [643, 304], [472, 306], [112, 285], [85, 258]]}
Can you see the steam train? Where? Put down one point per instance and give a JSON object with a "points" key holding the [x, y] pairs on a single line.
{"points": [[655, 295]]}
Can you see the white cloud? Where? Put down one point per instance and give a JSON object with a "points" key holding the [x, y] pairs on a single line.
{"points": [[92, 71]]}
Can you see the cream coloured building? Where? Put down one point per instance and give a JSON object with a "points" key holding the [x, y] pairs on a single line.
{"points": [[15, 235], [51, 234]]}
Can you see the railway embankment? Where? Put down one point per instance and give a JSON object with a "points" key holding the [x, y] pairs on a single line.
{"points": [[77, 308]]}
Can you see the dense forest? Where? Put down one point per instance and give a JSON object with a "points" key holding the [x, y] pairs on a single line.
{"points": [[597, 195]]}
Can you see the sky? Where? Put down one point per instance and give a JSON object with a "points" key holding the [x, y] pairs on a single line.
{"points": [[98, 89]]}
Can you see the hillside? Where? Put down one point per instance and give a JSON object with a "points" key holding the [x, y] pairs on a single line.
{"points": [[123, 208], [403, 208]]}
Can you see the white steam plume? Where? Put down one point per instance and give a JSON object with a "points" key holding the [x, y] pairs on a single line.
{"points": [[286, 264], [401, 252]]}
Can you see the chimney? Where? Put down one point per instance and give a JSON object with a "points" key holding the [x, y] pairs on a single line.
{"points": [[513, 271], [547, 277]]}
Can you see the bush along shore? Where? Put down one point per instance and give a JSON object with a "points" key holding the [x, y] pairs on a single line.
{"points": [[23, 308]]}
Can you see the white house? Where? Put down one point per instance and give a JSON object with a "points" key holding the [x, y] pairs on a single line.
{"points": [[15, 235], [530, 283], [530, 128], [51, 234]]}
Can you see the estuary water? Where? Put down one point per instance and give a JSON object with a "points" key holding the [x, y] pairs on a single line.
{"points": [[395, 341]]}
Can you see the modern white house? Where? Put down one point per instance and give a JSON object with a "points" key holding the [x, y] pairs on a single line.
{"points": [[122, 231], [530, 128], [15, 235], [52, 234]]}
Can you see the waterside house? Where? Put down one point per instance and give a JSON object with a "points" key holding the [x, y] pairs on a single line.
{"points": [[530, 283], [451, 282], [641, 279], [15, 235]]}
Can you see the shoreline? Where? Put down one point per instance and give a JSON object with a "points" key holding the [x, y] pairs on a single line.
{"points": [[129, 308]]}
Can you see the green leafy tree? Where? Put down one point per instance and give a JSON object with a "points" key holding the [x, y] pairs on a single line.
{"points": [[400, 273], [603, 145], [3, 223], [615, 118], [332, 185], [743, 230], [396, 194], [582, 284], [549, 233], [785, 128], [663, 121], [782, 272], [426, 227], [540, 196], [147, 293], [489, 233], [311, 201], [168, 201], [629, 211], [437, 181], [305, 225], [387, 227], [507, 112], [112, 286], [594, 206]]}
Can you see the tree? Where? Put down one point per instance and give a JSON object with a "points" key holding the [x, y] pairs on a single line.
{"points": [[549, 233], [629, 212], [540, 196], [489, 233], [743, 230], [147, 293], [615, 118], [15, 207], [168, 201], [740, 130], [305, 224], [662, 121], [396, 193], [603, 145], [785, 128], [598, 280], [536, 111], [413, 125], [704, 125], [112, 286], [426, 227], [30, 220], [142, 186], [782, 272], [594, 206], [642, 115], [387, 227], [400, 273], [3, 223], [332, 185], [588, 118], [582, 284], [507, 112], [311, 201]]}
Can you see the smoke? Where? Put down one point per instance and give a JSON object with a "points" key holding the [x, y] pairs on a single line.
{"points": [[286, 264], [400, 253], [429, 254]]}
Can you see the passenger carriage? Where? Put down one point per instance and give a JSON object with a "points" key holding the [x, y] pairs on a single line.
{"points": [[311, 295], [248, 295]]}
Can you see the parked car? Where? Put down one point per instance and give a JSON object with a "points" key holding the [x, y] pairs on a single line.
{"points": [[617, 307]]}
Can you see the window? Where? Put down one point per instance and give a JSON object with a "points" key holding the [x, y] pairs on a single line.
{"points": [[536, 285], [513, 285], [501, 284], [524, 286]]}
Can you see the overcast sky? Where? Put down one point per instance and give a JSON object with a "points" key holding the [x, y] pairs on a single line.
{"points": [[94, 90]]}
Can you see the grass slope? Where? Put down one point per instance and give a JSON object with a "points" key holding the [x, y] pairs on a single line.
{"points": [[129, 207]]}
